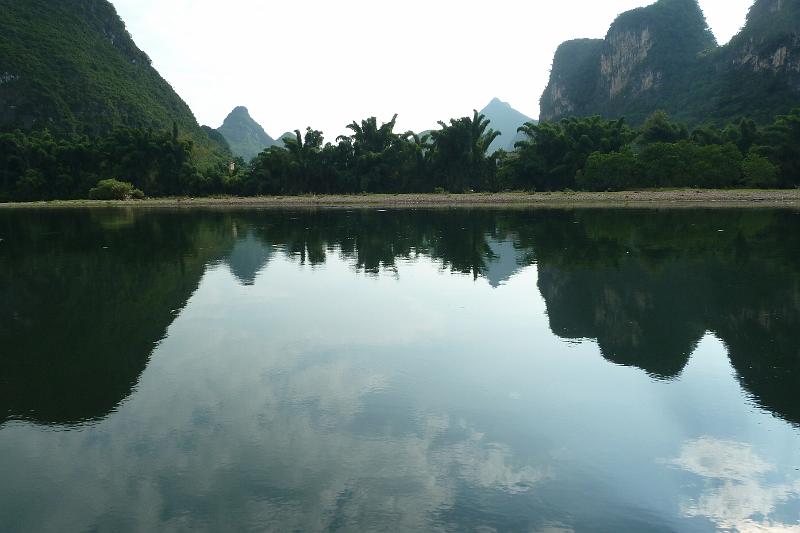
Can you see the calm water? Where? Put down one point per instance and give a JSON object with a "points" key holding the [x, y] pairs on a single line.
{"points": [[537, 371]]}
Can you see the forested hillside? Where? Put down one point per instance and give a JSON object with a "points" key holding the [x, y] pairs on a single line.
{"points": [[664, 57], [71, 67]]}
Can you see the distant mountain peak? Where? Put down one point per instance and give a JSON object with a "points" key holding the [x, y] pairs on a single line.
{"points": [[506, 120], [245, 136]]}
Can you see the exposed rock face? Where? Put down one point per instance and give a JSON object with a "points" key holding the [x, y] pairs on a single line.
{"points": [[575, 71], [560, 103], [770, 42], [624, 52], [664, 57], [783, 59]]}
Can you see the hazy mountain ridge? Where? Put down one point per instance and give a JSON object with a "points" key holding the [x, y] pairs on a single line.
{"points": [[244, 135], [663, 56]]}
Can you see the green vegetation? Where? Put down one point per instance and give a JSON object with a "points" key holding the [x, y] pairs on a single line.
{"points": [[666, 154], [664, 57], [41, 166], [245, 137], [591, 154], [82, 104], [112, 189], [72, 68]]}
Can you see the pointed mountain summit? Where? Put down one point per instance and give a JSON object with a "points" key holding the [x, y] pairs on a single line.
{"points": [[506, 120], [245, 136]]}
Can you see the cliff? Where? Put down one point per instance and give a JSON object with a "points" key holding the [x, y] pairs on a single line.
{"points": [[759, 70], [664, 57]]}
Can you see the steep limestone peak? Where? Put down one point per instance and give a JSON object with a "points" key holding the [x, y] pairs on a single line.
{"points": [[240, 111], [675, 28], [648, 54], [245, 136], [496, 102], [573, 79], [770, 18], [507, 121]]}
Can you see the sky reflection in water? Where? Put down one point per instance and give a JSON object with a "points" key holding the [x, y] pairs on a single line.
{"points": [[509, 371]]}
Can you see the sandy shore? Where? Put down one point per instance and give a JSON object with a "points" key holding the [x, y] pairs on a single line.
{"points": [[638, 199]]}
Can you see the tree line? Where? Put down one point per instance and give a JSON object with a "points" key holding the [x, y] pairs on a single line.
{"points": [[577, 153]]}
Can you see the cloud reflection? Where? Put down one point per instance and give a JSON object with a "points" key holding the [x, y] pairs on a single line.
{"points": [[737, 494]]}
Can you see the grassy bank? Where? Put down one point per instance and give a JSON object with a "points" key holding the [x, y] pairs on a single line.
{"points": [[649, 198]]}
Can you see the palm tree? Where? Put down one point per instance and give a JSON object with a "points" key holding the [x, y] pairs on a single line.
{"points": [[304, 159], [415, 154], [460, 152], [368, 137], [375, 155]]}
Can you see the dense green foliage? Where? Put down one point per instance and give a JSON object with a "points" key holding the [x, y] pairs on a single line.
{"points": [[377, 159], [663, 56], [552, 154], [71, 67], [665, 154], [589, 154], [245, 137], [41, 166], [82, 104], [112, 189]]}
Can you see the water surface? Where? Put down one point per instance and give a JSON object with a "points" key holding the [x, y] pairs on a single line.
{"points": [[369, 370]]}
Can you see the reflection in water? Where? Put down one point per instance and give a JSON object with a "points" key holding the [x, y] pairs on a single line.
{"points": [[248, 257], [648, 288], [394, 370], [646, 285], [84, 298], [736, 486]]}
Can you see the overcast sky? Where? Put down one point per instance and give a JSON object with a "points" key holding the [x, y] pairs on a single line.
{"points": [[324, 63]]}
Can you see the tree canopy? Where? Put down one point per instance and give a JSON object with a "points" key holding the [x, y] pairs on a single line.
{"points": [[576, 153]]}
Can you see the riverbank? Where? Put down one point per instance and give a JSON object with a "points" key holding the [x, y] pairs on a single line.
{"points": [[636, 199]]}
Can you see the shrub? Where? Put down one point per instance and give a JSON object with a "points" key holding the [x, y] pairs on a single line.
{"points": [[31, 186], [716, 166], [616, 171], [759, 172], [112, 189], [667, 164]]}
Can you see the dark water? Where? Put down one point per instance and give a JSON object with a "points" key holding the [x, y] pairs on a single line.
{"points": [[538, 371]]}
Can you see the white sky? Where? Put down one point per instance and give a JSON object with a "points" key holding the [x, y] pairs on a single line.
{"points": [[325, 63]]}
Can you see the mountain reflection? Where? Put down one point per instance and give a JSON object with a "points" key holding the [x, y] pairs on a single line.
{"points": [[86, 295]]}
